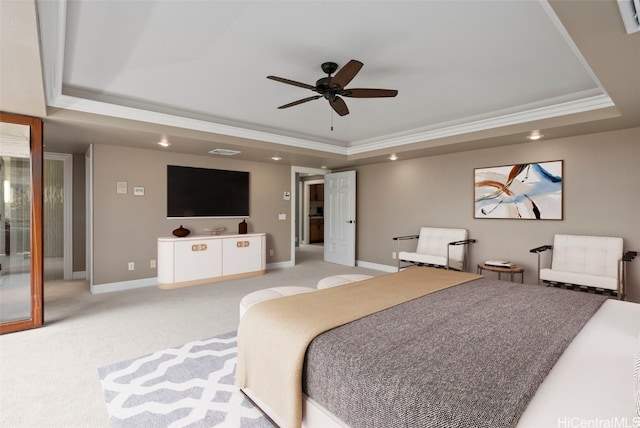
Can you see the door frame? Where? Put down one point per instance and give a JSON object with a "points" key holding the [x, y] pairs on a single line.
{"points": [[37, 265], [295, 197], [306, 196], [67, 160], [88, 177]]}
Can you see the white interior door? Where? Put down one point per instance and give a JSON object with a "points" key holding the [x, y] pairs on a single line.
{"points": [[340, 218]]}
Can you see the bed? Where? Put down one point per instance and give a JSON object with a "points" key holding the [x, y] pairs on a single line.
{"points": [[471, 352]]}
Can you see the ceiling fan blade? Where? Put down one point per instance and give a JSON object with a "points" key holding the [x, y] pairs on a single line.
{"points": [[368, 93], [304, 100], [346, 73], [339, 106], [291, 82]]}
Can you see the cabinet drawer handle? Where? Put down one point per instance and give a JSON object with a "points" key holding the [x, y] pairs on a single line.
{"points": [[242, 244], [199, 247]]}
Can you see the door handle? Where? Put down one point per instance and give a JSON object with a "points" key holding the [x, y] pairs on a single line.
{"points": [[350, 221]]}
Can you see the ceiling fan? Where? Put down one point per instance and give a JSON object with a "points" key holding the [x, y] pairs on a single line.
{"points": [[332, 88]]}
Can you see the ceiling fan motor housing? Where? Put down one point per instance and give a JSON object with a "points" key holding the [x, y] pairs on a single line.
{"points": [[323, 87]]}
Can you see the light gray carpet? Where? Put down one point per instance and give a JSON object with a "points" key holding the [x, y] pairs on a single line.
{"points": [[187, 386], [48, 376]]}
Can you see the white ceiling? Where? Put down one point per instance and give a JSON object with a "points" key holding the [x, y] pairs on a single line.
{"points": [[132, 72]]}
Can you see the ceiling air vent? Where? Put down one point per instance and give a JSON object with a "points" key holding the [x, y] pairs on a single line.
{"points": [[630, 9], [224, 152]]}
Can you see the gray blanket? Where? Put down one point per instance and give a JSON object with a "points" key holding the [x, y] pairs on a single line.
{"points": [[469, 356]]}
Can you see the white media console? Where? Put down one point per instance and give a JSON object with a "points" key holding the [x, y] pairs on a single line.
{"points": [[196, 260]]}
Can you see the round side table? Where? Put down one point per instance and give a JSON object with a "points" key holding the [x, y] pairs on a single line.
{"points": [[510, 270]]}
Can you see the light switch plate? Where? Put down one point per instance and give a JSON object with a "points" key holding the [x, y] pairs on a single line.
{"points": [[282, 216], [121, 187], [287, 196]]}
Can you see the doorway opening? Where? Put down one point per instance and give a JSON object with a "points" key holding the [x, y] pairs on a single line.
{"points": [[58, 235], [307, 207]]}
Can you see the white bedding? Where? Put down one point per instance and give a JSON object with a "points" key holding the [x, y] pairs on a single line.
{"points": [[592, 382], [590, 385]]}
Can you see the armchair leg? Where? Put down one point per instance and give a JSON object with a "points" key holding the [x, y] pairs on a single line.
{"points": [[622, 273], [448, 259]]}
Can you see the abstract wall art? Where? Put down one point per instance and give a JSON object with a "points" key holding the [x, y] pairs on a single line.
{"points": [[530, 191]]}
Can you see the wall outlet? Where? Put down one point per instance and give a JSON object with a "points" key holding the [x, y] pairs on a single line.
{"points": [[152, 264], [271, 252], [393, 255], [132, 266]]}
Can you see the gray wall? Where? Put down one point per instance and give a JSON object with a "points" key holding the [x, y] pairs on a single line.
{"points": [[601, 197], [126, 227]]}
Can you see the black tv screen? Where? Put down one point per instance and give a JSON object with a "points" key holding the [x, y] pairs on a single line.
{"points": [[203, 192]]}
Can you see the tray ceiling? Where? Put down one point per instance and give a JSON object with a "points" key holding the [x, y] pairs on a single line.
{"points": [[459, 67]]}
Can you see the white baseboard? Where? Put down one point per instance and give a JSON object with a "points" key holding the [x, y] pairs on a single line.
{"points": [[79, 275], [124, 285], [376, 266], [279, 265]]}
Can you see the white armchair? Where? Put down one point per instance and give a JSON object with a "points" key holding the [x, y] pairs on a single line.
{"points": [[437, 246], [589, 262]]}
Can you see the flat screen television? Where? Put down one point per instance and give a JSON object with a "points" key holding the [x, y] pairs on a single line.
{"points": [[203, 192]]}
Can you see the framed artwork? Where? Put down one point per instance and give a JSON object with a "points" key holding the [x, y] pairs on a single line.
{"points": [[530, 191]]}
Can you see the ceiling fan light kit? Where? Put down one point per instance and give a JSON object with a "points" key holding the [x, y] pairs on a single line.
{"points": [[332, 88]]}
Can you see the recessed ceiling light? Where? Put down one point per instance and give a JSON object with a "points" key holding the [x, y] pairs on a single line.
{"points": [[276, 158], [164, 143], [534, 136], [393, 157]]}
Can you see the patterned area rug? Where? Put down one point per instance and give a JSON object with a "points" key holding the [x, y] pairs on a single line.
{"points": [[188, 386]]}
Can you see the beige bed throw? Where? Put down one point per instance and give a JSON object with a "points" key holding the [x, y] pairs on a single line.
{"points": [[274, 335]]}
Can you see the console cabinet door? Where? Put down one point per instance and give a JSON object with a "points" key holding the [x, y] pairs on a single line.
{"points": [[242, 255], [197, 259]]}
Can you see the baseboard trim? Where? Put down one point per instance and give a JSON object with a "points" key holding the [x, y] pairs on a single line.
{"points": [[376, 266], [124, 285], [279, 265], [79, 275]]}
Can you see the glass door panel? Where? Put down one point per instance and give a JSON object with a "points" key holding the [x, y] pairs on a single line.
{"points": [[15, 243]]}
